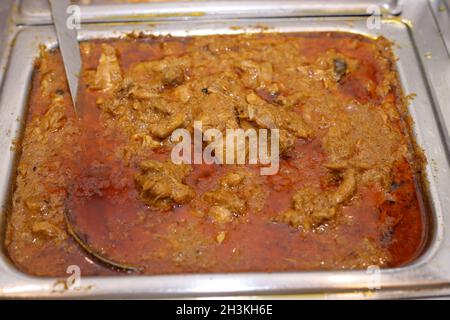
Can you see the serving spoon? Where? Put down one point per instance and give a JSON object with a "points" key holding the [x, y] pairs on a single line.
{"points": [[83, 241], [91, 221], [68, 43]]}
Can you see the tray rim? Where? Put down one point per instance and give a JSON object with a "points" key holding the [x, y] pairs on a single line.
{"points": [[37, 11]]}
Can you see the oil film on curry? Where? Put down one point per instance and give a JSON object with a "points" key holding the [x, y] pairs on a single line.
{"points": [[166, 171]]}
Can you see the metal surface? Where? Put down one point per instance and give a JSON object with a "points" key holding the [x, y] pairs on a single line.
{"points": [[7, 33], [68, 44], [441, 11], [37, 11], [432, 51], [5, 7], [428, 275]]}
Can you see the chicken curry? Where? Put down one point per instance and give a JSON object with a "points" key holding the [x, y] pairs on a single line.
{"points": [[101, 187]]}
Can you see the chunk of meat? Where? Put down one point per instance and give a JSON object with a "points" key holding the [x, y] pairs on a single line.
{"points": [[108, 76], [47, 84], [231, 179], [167, 125], [163, 116], [361, 138], [332, 67], [48, 230], [221, 214], [225, 200], [146, 80], [139, 107], [224, 83], [55, 116], [312, 207], [255, 74], [347, 187], [268, 116], [340, 68], [273, 117], [146, 141], [161, 184], [216, 111], [157, 117], [237, 193]]}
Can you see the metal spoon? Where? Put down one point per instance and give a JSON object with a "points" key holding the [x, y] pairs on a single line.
{"points": [[68, 44], [82, 222], [70, 50]]}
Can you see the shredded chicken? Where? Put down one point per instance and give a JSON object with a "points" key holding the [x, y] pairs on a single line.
{"points": [[161, 184], [312, 207], [108, 76], [234, 196]]}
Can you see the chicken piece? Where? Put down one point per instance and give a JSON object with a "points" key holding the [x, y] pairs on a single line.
{"points": [[167, 125], [216, 111], [340, 68], [312, 207], [226, 204], [161, 186], [236, 194], [36, 203], [225, 200], [226, 84], [231, 179], [157, 117], [332, 67], [273, 117], [47, 84], [346, 188], [361, 138], [255, 74], [146, 80], [50, 83], [163, 116], [47, 230], [268, 116], [108, 76], [55, 116], [146, 141]]}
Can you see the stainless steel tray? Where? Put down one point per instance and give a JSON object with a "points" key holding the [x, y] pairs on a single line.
{"points": [[414, 35], [428, 272], [37, 11]]}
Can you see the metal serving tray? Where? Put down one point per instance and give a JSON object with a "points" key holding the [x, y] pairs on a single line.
{"points": [[37, 11], [414, 35]]}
